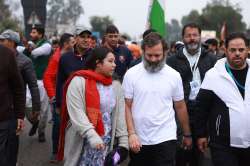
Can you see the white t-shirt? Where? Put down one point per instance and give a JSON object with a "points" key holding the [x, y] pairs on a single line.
{"points": [[152, 108]]}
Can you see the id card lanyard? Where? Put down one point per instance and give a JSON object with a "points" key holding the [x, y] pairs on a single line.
{"points": [[194, 67], [195, 83]]}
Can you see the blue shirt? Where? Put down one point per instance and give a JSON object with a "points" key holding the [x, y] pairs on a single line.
{"points": [[123, 57]]}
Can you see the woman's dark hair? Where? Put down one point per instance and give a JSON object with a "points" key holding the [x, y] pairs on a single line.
{"points": [[96, 56]]}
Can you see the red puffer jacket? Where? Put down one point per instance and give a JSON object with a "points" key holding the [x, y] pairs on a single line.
{"points": [[49, 78]]}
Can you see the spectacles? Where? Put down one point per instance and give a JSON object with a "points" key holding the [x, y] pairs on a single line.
{"points": [[234, 50], [188, 36]]}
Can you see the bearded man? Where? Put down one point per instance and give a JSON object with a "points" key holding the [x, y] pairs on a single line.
{"points": [[192, 62], [151, 89]]}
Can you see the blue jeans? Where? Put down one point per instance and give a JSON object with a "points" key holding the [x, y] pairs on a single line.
{"points": [[55, 128]]}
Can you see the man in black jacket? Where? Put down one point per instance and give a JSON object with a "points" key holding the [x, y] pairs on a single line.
{"points": [[11, 107], [72, 61], [10, 39], [223, 102], [192, 62]]}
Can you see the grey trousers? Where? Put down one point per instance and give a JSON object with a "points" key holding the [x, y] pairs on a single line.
{"points": [[45, 107]]}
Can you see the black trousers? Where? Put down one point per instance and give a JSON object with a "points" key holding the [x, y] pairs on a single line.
{"points": [[8, 143], [192, 157], [162, 154], [229, 156]]}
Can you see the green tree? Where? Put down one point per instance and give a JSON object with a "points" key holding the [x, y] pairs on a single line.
{"points": [[215, 14], [7, 20], [63, 12], [248, 36], [173, 30], [193, 16], [213, 17], [99, 24]]}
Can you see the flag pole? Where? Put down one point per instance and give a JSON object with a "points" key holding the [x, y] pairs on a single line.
{"points": [[223, 31], [149, 10]]}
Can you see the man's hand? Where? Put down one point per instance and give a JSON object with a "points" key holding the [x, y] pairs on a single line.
{"points": [[34, 116], [202, 144], [20, 126], [58, 111], [134, 143], [52, 100], [187, 143]]}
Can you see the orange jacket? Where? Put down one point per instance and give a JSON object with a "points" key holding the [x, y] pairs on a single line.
{"points": [[135, 50], [49, 78]]}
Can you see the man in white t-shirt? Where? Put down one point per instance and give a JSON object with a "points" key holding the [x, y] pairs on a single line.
{"points": [[151, 90]]}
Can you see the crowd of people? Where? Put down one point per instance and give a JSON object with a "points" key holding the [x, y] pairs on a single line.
{"points": [[143, 104]]}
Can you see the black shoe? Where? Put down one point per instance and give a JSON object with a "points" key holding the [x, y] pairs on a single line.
{"points": [[33, 129], [41, 137]]}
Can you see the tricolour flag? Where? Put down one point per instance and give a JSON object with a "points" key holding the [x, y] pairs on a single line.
{"points": [[157, 16]]}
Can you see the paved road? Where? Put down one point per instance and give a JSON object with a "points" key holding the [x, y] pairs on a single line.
{"points": [[33, 153]]}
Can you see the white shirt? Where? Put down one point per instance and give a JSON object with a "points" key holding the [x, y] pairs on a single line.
{"points": [[196, 81], [45, 49], [152, 108]]}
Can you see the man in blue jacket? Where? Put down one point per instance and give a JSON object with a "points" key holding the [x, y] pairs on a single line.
{"points": [[123, 56]]}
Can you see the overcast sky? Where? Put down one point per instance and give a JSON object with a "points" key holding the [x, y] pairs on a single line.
{"points": [[130, 15]]}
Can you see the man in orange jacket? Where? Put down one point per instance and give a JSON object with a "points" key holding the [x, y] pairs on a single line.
{"points": [[66, 43]]}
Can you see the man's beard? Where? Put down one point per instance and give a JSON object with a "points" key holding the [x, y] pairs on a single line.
{"points": [[193, 47], [237, 65], [34, 39], [154, 67]]}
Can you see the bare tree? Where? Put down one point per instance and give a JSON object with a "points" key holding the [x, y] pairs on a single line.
{"points": [[63, 12]]}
